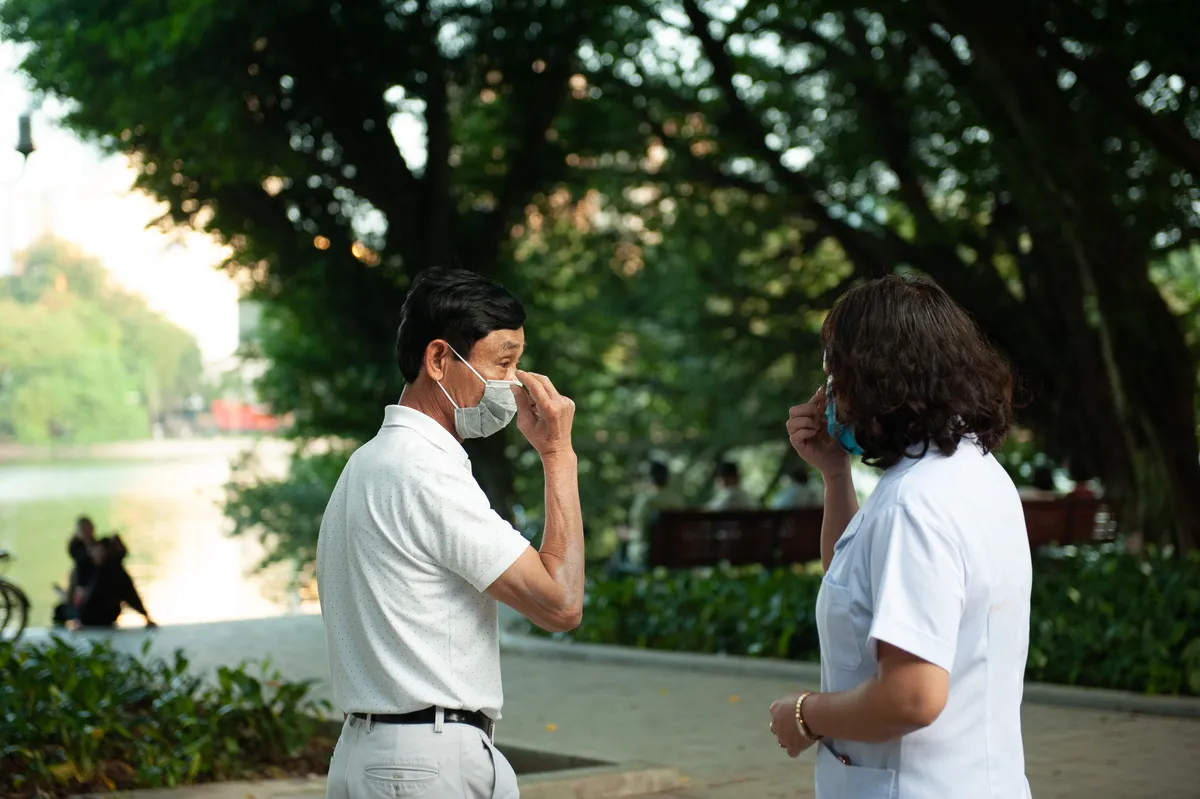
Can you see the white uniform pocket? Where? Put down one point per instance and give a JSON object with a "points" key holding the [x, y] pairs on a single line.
{"points": [[835, 780], [840, 646]]}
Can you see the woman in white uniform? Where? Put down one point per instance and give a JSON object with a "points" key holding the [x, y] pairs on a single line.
{"points": [[923, 613]]}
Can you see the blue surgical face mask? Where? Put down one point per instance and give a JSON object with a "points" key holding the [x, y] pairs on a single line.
{"points": [[842, 433]]}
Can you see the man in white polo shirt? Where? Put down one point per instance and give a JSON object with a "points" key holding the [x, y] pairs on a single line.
{"points": [[412, 558]]}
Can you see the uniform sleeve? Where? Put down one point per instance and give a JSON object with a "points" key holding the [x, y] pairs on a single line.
{"points": [[459, 530], [918, 583]]}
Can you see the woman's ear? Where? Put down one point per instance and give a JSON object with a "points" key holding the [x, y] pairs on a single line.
{"points": [[437, 358]]}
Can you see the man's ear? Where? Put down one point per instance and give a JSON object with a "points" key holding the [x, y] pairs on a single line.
{"points": [[437, 359]]}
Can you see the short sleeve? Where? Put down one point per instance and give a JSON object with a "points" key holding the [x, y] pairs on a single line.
{"points": [[918, 586], [459, 530]]}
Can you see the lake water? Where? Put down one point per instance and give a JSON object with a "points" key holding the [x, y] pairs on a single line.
{"points": [[164, 499]]}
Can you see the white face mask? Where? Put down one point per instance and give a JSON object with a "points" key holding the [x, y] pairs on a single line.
{"points": [[495, 410]]}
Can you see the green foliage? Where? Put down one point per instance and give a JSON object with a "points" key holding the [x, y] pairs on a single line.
{"points": [[1178, 277], [665, 354], [285, 514], [744, 611], [80, 360], [916, 137], [1116, 621], [80, 719], [1099, 619], [678, 190]]}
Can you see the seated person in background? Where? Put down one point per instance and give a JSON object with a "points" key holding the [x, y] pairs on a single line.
{"points": [[99, 583], [729, 494], [798, 491], [655, 496], [1082, 490], [1041, 484], [1083, 481]]}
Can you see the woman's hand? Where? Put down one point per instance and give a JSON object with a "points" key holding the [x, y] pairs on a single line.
{"points": [[783, 725], [811, 440]]}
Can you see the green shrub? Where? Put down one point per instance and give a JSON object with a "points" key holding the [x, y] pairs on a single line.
{"points": [[89, 718], [1115, 621], [1099, 618]]}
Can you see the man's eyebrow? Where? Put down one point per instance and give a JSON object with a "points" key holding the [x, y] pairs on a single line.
{"points": [[508, 346]]}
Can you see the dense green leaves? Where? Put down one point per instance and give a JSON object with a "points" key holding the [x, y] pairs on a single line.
{"points": [[1099, 618], [284, 512], [1038, 184], [78, 718], [1117, 622], [679, 189], [82, 361]]}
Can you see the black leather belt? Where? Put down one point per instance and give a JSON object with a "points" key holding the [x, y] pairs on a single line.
{"points": [[428, 715]]}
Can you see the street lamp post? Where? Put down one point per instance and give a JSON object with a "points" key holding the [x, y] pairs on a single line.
{"points": [[24, 144], [25, 148], [24, 136]]}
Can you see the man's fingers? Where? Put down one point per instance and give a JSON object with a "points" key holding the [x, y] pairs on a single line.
{"points": [[539, 387], [524, 401], [541, 379]]}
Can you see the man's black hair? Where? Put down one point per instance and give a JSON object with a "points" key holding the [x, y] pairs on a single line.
{"points": [[456, 305]]}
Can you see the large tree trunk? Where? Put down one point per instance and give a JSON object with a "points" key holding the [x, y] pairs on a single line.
{"points": [[1154, 369], [1149, 370]]}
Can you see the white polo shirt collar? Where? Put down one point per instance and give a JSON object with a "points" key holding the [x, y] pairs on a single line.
{"points": [[430, 430]]}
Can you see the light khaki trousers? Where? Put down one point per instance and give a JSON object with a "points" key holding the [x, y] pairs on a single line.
{"points": [[431, 761]]}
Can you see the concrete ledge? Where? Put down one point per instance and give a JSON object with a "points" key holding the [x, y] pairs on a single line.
{"points": [[541, 774], [1042, 693], [763, 668], [810, 673], [599, 782], [294, 788]]}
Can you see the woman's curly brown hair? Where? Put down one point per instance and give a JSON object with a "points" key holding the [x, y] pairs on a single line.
{"points": [[911, 370]]}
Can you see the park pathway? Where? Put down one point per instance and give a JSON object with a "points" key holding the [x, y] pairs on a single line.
{"points": [[713, 727]]}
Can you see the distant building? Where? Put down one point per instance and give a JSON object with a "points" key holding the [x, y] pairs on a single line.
{"points": [[237, 408]]}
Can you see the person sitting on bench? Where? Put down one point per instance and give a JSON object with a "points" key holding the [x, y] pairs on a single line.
{"points": [[99, 585], [729, 493]]}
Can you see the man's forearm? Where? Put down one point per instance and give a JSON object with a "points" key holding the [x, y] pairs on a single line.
{"points": [[841, 503], [562, 548]]}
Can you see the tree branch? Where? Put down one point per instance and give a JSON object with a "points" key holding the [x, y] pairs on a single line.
{"points": [[873, 253], [527, 166], [1172, 140], [437, 216]]}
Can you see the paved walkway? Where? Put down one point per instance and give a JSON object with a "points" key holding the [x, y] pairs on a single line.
{"points": [[714, 727]]}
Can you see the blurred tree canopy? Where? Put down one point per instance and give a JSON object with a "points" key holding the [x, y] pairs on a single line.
{"points": [[81, 360], [678, 190], [1040, 160]]}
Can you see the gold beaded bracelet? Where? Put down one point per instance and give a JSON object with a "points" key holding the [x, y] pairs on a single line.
{"points": [[800, 725]]}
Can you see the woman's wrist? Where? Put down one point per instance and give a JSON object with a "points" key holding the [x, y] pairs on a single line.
{"points": [[838, 474], [801, 720]]}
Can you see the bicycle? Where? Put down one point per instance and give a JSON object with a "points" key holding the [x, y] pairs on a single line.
{"points": [[14, 606]]}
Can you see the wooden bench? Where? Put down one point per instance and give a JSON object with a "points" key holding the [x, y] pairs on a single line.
{"points": [[687, 539], [1069, 520], [684, 539]]}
